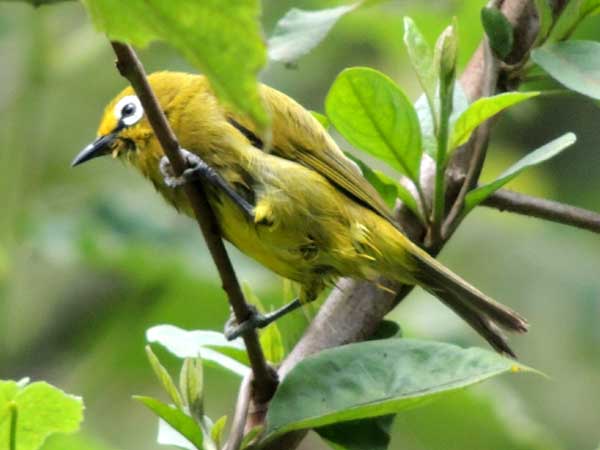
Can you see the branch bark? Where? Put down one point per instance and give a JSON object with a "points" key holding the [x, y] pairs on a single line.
{"points": [[505, 200], [130, 67]]}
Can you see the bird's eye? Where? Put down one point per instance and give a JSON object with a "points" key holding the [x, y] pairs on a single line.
{"points": [[128, 110]]}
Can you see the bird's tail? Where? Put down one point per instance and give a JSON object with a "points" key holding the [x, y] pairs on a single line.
{"points": [[484, 314]]}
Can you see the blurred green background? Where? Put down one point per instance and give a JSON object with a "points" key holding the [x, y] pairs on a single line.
{"points": [[90, 258]]}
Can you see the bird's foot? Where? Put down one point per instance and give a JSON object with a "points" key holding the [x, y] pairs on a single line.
{"points": [[196, 169], [256, 320], [233, 329], [199, 170]]}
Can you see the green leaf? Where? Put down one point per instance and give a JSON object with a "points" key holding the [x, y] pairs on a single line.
{"points": [[388, 188], [421, 58], [544, 153], [163, 376], [191, 384], [42, 411], [544, 11], [570, 17], [575, 64], [299, 31], [322, 118], [499, 31], [459, 104], [216, 433], [376, 378], [372, 434], [215, 348], [481, 110], [272, 343], [373, 114], [221, 38], [178, 420]]}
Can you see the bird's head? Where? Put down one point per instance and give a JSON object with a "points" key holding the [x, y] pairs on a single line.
{"points": [[124, 130]]}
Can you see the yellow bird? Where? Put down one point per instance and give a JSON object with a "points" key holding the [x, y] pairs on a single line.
{"points": [[300, 208]]}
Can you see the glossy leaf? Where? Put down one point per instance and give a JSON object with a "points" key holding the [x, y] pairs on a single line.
{"points": [[481, 110], [42, 410], [176, 419], [164, 377], [544, 153], [376, 378], [576, 64], [167, 435], [499, 31], [212, 346], [299, 31], [221, 38], [372, 434], [374, 115], [388, 188], [421, 58]]}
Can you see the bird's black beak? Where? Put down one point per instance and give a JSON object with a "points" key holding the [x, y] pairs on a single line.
{"points": [[100, 147]]}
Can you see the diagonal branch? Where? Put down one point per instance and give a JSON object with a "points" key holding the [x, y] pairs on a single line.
{"points": [[505, 200], [130, 67]]}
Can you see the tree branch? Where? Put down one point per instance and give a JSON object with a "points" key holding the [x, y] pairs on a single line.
{"points": [[505, 200], [129, 66]]}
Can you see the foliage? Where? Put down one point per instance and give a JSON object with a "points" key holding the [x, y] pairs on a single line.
{"points": [[376, 378], [378, 118], [231, 62], [538, 156], [299, 31], [29, 413]]}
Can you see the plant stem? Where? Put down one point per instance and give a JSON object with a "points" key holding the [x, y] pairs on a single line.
{"points": [[129, 66]]}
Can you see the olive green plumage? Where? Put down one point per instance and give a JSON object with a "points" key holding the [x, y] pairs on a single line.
{"points": [[315, 217]]}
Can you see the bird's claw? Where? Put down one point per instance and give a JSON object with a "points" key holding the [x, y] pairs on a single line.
{"points": [[194, 163], [233, 330]]}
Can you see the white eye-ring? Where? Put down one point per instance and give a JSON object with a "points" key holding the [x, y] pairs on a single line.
{"points": [[129, 110]]}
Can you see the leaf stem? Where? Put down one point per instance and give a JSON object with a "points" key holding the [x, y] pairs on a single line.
{"points": [[131, 68]]}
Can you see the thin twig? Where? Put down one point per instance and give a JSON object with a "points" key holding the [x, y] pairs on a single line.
{"points": [[265, 380], [505, 200], [238, 424]]}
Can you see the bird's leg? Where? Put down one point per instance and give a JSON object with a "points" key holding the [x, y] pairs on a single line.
{"points": [[234, 330], [199, 170]]}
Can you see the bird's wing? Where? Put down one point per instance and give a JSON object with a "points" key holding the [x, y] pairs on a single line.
{"points": [[299, 137]]}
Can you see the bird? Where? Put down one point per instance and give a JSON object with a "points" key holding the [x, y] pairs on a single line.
{"points": [[297, 205]]}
